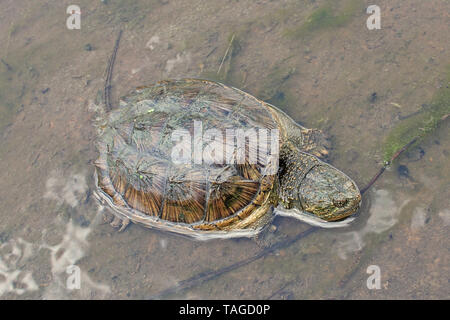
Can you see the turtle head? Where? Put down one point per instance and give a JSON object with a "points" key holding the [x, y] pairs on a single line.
{"points": [[328, 193]]}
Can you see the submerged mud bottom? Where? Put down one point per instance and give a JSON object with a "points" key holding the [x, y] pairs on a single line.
{"points": [[200, 278]]}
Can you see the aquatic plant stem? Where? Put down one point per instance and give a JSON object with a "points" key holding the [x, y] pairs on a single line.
{"points": [[225, 55], [387, 164]]}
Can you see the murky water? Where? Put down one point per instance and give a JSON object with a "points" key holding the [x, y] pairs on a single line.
{"points": [[314, 59]]}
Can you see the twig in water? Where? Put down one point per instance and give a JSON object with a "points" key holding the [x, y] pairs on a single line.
{"points": [[383, 168], [278, 291], [6, 65], [226, 53]]}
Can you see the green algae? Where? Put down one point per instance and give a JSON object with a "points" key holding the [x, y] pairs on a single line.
{"points": [[12, 90], [129, 13], [422, 124], [326, 17], [272, 86]]}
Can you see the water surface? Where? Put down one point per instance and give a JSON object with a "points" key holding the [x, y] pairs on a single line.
{"points": [[314, 59]]}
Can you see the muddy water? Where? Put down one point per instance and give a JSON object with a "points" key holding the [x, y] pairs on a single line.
{"points": [[314, 59]]}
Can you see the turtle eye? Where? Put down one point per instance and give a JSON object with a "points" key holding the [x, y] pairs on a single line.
{"points": [[340, 203]]}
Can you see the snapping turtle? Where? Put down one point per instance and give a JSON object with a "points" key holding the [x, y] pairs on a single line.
{"points": [[203, 159]]}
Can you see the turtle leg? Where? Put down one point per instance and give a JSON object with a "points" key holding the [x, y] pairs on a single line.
{"points": [[265, 239], [268, 237], [120, 223], [313, 141], [125, 223]]}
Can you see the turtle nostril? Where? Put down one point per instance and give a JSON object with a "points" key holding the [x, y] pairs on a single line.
{"points": [[340, 203]]}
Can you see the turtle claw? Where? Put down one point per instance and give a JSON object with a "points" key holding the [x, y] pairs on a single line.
{"points": [[120, 223], [320, 153], [324, 152], [125, 223], [317, 154], [108, 218], [260, 243], [267, 238]]}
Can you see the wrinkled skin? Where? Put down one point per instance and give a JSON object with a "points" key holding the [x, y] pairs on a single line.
{"points": [[315, 187]]}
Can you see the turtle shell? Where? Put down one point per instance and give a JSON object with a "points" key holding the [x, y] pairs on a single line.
{"points": [[137, 174]]}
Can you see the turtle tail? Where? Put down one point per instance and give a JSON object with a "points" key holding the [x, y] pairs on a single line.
{"points": [[109, 70]]}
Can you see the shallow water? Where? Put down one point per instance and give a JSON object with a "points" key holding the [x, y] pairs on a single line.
{"points": [[335, 75]]}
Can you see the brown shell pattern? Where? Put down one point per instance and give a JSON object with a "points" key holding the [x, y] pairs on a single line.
{"points": [[135, 167]]}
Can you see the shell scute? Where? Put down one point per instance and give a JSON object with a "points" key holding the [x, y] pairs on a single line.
{"points": [[135, 168]]}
